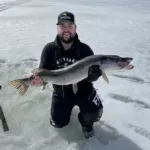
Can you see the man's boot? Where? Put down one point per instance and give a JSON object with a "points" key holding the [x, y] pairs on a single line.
{"points": [[87, 121], [88, 131]]}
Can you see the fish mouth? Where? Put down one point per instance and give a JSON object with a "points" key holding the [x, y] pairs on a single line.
{"points": [[124, 63]]}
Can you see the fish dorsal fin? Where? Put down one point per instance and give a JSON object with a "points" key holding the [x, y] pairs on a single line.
{"points": [[105, 77], [38, 70]]}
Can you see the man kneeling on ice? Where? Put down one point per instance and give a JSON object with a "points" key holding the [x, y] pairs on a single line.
{"points": [[63, 51]]}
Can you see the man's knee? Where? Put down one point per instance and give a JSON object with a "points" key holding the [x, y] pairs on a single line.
{"points": [[59, 122], [90, 118], [60, 111], [99, 114]]}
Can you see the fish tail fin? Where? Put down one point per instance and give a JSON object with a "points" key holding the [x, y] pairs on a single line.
{"points": [[20, 85]]}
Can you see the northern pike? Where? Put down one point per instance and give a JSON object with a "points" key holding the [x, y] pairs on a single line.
{"points": [[75, 72]]}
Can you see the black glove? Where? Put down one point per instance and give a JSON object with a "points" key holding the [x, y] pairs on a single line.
{"points": [[94, 73]]}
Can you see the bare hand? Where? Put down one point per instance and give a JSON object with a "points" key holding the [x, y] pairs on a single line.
{"points": [[37, 81]]}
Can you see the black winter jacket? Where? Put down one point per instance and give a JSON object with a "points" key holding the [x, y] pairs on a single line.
{"points": [[54, 57]]}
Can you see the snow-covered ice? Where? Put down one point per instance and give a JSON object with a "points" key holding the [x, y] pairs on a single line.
{"points": [[109, 27]]}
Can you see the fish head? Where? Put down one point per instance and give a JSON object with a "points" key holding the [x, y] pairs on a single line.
{"points": [[110, 63], [124, 63]]}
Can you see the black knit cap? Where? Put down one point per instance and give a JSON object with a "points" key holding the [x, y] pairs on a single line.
{"points": [[66, 16]]}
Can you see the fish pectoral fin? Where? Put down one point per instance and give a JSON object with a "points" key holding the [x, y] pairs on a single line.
{"points": [[20, 85], [105, 77], [75, 88], [44, 85]]}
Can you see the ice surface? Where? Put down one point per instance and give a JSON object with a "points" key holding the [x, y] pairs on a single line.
{"points": [[109, 27]]}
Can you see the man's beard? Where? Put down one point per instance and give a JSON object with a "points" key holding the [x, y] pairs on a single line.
{"points": [[66, 41]]}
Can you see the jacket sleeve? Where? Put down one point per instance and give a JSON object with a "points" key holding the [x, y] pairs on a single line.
{"points": [[46, 60], [97, 72]]}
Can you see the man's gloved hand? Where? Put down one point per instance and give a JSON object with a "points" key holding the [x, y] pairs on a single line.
{"points": [[94, 73]]}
